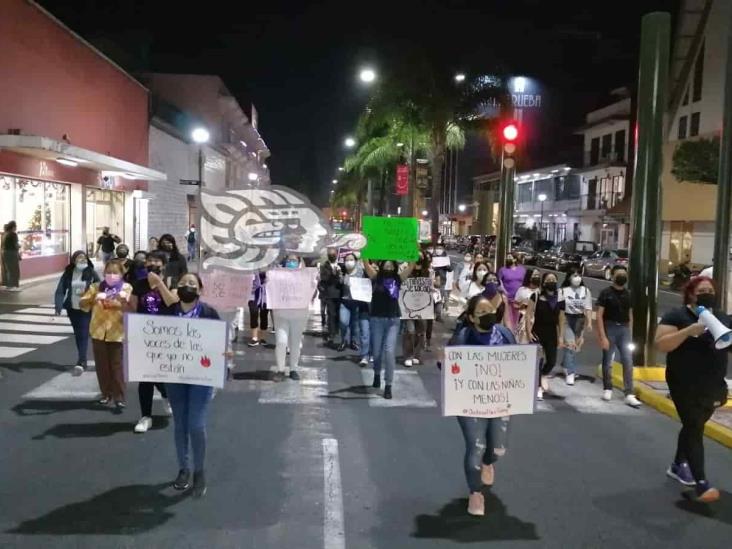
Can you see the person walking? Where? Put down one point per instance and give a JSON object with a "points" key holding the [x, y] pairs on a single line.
{"points": [[441, 278], [465, 276], [122, 253], [614, 331], [108, 301], [11, 256], [258, 312], [695, 373], [176, 265], [531, 286], [476, 281], [75, 281], [152, 244], [574, 319], [385, 318], [492, 291], [330, 286], [413, 333], [351, 310], [192, 242], [511, 277], [106, 243], [542, 321], [485, 438]]}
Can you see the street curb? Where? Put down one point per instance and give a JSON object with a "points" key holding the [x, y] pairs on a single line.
{"points": [[665, 405]]}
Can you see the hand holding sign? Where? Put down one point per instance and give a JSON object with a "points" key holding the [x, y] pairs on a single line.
{"points": [[290, 288], [392, 238], [416, 300], [225, 290]]}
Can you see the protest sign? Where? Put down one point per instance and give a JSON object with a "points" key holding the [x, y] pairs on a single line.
{"points": [[361, 289], [425, 232], [416, 300], [225, 291], [290, 288], [449, 280], [390, 238], [342, 253], [489, 381], [172, 349], [440, 261]]}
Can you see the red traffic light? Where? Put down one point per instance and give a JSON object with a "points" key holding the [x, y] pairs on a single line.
{"points": [[510, 131]]}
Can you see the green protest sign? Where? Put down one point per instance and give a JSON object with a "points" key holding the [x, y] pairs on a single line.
{"points": [[390, 238]]}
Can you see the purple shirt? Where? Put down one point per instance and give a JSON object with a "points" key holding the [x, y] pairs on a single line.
{"points": [[512, 279]]}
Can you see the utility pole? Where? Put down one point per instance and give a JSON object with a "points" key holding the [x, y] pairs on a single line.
{"points": [[509, 135]]}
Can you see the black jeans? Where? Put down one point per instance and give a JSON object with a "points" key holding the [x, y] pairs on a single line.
{"points": [[548, 341], [332, 312], [258, 316], [694, 411], [145, 391]]}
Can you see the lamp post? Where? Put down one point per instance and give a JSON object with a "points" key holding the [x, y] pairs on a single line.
{"points": [[542, 198], [367, 75], [200, 136], [349, 142]]}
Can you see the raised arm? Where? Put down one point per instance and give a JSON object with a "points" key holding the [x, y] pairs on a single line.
{"points": [[407, 271], [369, 269]]}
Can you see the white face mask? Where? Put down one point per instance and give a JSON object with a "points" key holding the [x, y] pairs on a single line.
{"points": [[467, 259], [480, 273], [575, 281], [350, 264]]}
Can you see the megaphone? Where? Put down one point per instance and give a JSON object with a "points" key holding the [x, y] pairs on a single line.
{"points": [[721, 334]]}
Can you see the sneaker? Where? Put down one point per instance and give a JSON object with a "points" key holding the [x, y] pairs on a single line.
{"points": [[77, 371], [371, 359], [143, 425], [377, 381], [354, 347], [272, 330], [387, 392], [120, 404], [703, 493], [540, 394], [428, 347], [487, 474], [607, 395], [570, 379], [341, 347], [682, 473], [364, 362], [167, 410], [476, 504], [545, 383], [294, 375], [104, 401], [254, 343], [278, 376], [199, 484], [182, 482], [632, 401], [408, 363], [416, 361]]}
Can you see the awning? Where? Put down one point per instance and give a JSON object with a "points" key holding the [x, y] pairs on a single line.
{"points": [[46, 148]]}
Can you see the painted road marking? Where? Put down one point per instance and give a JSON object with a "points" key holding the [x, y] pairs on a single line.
{"points": [[42, 328], [408, 391], [37, 310], [58, 320], [67, 387], [583, 397], [12, 352], [312, 388], [31, 339], [334, 529]]}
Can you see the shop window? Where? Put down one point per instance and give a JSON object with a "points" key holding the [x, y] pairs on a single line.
{"points": [[104, 208], [42, 215]]}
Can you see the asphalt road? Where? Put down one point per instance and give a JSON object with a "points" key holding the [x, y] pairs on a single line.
{"points": [[328, 464]]}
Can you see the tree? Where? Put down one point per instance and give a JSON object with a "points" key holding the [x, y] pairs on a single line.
{"points": [[697, 161]]}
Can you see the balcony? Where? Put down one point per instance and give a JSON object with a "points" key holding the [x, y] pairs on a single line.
{"points": [[595, 202], [599, 159]]}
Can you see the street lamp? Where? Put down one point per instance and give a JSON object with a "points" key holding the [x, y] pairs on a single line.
{"points": [[460, 77], [340, 168], [424, 213], [335, 182], [367, 75], [200, 136], [542, 198], [349, 142], [462, 207]]}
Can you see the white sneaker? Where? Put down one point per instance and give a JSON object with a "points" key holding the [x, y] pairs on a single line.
{"points": [[143, 425], [607, 395], [570, 379], [416, 361], [167, 410], [539, 394], [408, 363], [77, 371], [632, 401]]}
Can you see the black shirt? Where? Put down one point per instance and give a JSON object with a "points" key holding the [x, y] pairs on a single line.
{"points": [[149, 301], [696, 360], [546, 314], [10, 242], [385, 304], [107, 243], [616, 304]]}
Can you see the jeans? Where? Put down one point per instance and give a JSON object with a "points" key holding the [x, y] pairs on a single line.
{"points": [[190, 404], [413, 339], [191, 250], [572, 332], [145, 392], [349, 317], [80, 323], [619, 337], [107, 257], [384, 333], [364, 325], [290, 325], [485, 442]]}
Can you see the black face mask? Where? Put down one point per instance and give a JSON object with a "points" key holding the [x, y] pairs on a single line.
{"points": [[621, 280], [487, 321], [332, 258], [550, 286], [705, 300], [187, 294], [536, 281], [155, 269]]}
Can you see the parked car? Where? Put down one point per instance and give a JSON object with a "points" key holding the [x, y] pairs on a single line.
{"points": [[574, 252], [549, 259], [527, 251], [601, 263]]}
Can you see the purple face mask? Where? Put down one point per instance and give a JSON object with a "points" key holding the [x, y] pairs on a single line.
{"points": [[491, 289]]}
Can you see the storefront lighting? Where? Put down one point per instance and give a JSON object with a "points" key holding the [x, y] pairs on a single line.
{"points": [[67, 162], [253, 176]]}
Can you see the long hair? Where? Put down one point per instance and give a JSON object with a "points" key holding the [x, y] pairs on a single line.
{"points": [[475, 271], [174, 253], [527, 277], [568, 277]]}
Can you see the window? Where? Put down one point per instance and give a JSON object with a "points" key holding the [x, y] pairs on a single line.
{"points": [[42, 214], [104, 208], [594, 151], [698, 76], [694, 127], [620, 145], [686, 97], [567, 187], [607, 141], [545, 186], [524, 193], [683, 122]]}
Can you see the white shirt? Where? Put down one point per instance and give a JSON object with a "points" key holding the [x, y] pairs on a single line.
{"points": [[524, 293], [576, 300], [78, 287]]}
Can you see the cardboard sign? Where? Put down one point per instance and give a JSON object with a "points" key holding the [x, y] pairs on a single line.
{"points": [[392, 238], [416, 300], [225, 291], [291, 288], [361, 289], [440, 261], [342, 253], [425, 231], [489, 381], [172, 349]]}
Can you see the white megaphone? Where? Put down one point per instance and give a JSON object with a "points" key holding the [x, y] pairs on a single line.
{"points": [[721, 334]]}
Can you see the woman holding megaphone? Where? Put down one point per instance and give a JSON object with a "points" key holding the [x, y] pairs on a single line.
{"points": [[695, 370]]}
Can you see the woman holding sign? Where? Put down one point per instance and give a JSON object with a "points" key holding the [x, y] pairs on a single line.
{"points": [[352, 311], [385, 318], [485, 438]]}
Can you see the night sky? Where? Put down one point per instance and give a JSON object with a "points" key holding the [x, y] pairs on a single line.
{"points": [[298, 61]]}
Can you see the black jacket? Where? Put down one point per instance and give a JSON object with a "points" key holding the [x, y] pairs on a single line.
{"points": [[331, 283], [62, 297]]}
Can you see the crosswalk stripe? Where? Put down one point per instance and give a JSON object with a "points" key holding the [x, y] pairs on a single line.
{"points": [[67, 387], [409, 391], [313, 388], [583, 397], [59, 320], [31, 339], [12, 352], [37, 310], [42, 328]]}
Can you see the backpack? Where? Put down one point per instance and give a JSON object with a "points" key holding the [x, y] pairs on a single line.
{"points": [[191, 238]]}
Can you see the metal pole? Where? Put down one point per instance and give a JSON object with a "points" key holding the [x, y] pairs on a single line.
{"points": [[541, 221], [645, 247], [724, 189], [457, 181], [505, 209], [200, 207]]}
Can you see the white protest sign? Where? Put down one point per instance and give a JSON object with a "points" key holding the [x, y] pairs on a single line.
{"points": [[415, 299], [290, 288], [489, 381], [424, 231], [361, 289], [225, 291], [173, 349], [449, 280], [440, 261]]}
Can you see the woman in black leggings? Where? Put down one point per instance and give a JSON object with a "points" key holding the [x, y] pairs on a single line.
{"points": [[695, 372], [542, 323]]}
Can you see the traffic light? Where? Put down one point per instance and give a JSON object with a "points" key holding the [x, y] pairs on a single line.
{"points": [[510, 134]]}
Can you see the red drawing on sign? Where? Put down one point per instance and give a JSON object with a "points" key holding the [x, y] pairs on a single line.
{"points": [[455, 369], [205, 361]]}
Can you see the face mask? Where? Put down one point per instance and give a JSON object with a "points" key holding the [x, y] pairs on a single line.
{"points": [[467, 259], [350, 264], [575, 281], [536, 280], [187, 294], [167, 246], [550, 286], [491, 289], [157, 269], [620, 280], [332, 257], [291, 264], [705, 300], [112, 279], [80, 265], [431, 250], [439, 251], [487, 321], [480, 273]]}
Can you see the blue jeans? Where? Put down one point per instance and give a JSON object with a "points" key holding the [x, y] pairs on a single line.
{"points": [[485, 441], [80, 323], [192, 250], [365, 333], [384, 333], [573, 331], [348, 316], [190, 404], [619, 337]]}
